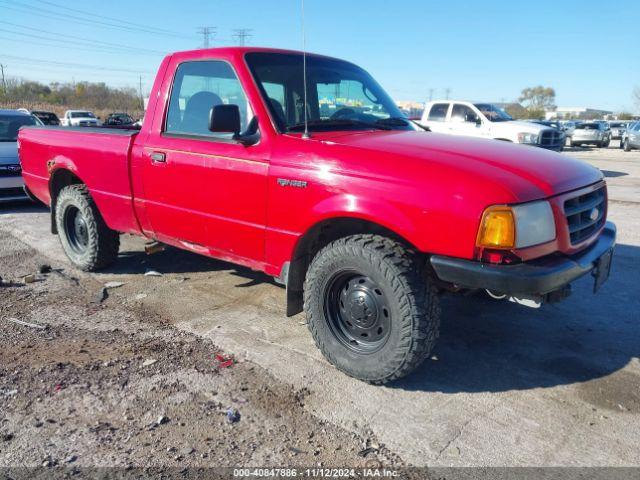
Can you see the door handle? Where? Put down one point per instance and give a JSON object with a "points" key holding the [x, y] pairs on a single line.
{"points": [[158, 157]]}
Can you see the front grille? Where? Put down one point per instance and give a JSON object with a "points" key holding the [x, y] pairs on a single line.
{"points": [[11, 192], [585, 215], [550, 138], [10, 171]]}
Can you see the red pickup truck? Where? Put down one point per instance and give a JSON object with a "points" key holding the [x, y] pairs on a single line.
{"points": [[363, 215]]}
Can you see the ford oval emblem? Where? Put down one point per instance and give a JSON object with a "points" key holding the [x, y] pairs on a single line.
{"points": [[594, 214]]}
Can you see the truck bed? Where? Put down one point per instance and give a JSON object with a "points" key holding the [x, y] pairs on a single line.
{"points": [[99, 157]]}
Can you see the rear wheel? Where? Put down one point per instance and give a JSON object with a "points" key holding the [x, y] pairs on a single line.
{"points": [[371, 308], [627, 147], [85, 238]]}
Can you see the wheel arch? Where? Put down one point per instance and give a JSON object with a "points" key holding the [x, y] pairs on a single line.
{"points": [[317, 237]]}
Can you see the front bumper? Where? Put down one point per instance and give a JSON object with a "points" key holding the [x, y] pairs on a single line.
{"points": [[535, 277], [11, 188]]}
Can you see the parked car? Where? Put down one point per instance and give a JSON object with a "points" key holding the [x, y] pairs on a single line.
{"points": [[631, 137], [487, 121], [47, 118], [591, 133], [617, 129], [11, 183], [554, 124], [364, 218], [79, 118], [118, 119]]}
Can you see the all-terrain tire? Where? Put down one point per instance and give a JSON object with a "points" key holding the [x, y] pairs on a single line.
{"points": [[412, 301], [100, 244]]}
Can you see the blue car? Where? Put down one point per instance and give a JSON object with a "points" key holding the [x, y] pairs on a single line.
{"points": [[11, 183]]}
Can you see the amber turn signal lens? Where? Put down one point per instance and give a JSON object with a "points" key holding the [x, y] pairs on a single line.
{"points": [[497, 229]]}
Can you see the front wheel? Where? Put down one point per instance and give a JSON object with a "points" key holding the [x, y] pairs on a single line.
{"points": [[88, 242], [627, 147], [371, 307]]}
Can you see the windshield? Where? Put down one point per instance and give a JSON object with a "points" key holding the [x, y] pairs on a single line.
{"points": [[493, 113], [588, 126], [617, 125], [82, 115], [340, 95], [10, 124]]}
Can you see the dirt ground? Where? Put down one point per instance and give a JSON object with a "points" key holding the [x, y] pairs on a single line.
{"points": [[95, 381]]}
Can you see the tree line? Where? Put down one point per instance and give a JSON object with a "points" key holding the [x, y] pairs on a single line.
{"points": [[81, 95]]}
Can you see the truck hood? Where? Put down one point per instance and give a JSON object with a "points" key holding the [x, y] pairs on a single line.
{"points": [[8, 153], [528, 172], [518, 126]]}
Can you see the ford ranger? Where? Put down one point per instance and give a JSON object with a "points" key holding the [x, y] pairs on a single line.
{"points": [[365, 217]]}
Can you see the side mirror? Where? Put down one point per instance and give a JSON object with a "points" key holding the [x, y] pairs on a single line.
{"points": [[225, 119]]}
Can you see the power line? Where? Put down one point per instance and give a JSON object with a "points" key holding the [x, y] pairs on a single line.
{"points": [[83, 39], [241, 34], [69, 64], [206, 33], [55, 43], [138, 25], [54, 15]]}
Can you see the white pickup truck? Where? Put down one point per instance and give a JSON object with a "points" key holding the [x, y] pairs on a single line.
{"points": [[487, 121], [79, 118]]}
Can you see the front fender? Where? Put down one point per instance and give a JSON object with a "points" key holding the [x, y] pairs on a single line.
{"points": [[347, 205]]}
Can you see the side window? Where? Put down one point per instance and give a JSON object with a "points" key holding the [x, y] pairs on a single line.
{"points": [[198, 87], [438, 112], [462, 113]]}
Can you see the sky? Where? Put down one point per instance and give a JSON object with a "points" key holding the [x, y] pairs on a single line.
{"points": [[482, 50]]}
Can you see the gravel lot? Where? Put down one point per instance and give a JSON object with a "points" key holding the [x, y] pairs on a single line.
{"points": [[507, 386]]}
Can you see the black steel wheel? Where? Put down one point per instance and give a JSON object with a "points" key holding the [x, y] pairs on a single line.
{"points": [[358, 312], [76, 230]]}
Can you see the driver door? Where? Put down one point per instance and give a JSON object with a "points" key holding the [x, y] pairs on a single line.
{"points": [[465, 121], [203, 190]]}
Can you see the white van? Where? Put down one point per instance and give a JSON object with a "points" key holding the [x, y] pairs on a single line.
{"points": [[487, 121]]}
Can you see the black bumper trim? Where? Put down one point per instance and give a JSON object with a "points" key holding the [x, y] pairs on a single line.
{"points": [[536, 277]]}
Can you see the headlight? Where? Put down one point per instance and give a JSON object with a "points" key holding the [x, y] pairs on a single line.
{"points": [[531, 138], [520, 226]]}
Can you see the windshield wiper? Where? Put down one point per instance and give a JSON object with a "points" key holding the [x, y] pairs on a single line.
{"points": [[343, 122]]}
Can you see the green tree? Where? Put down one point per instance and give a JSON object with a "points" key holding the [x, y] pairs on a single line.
{"points": [[625, 116], [538, 99]]}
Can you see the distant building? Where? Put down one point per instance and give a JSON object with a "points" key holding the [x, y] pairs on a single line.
{"points": [[577, 112]]}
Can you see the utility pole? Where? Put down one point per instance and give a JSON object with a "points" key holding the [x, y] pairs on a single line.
{"points": [[241, 34], [140, 90], [431, 94], [206, 33], [4, 82], [447, 92]]}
